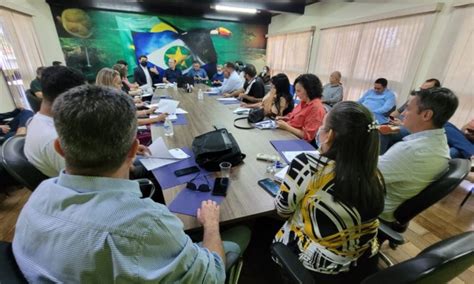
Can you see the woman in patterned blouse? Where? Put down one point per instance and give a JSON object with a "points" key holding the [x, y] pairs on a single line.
{"points": [[331, 201]]}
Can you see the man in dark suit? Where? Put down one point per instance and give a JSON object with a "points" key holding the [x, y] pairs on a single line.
{"points": [[145, 75]]}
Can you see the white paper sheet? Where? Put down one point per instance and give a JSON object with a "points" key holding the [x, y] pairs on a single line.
{"points": [[161, 156], [165, 105], [227, 99], [290, 155], [280, 175], [180, 111]]}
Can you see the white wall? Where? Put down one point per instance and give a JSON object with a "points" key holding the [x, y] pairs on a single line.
{"points": [[44, 25], [326, 13]]}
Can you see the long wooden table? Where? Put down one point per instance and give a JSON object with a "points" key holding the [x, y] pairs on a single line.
{"points": [[245, 199]]}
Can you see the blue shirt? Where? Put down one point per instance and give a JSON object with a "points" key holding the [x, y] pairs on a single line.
{"points": [[172, 75], [218, 77], [201, 73], [379, 104], [98, 230], [230, 84]]}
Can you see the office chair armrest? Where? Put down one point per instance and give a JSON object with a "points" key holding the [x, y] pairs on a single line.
{"points": [[291, 264], [231, 259], [387, 233]]}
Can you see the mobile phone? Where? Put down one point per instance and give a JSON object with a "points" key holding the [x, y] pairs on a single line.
{"points": [[186, 171], [269, 186], [220, 186]]}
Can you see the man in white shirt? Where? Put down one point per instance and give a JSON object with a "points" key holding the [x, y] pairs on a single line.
{"points": [[39, 148], [410, 166], [232, 81]]}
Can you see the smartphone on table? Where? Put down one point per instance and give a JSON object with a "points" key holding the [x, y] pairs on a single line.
{"points": [[220, 186], [269, 186]]}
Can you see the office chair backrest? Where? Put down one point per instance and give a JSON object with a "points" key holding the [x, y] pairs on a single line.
{"points": [[34, 101], [438, 263], [16, 164], [458, 169], [9, 270]]}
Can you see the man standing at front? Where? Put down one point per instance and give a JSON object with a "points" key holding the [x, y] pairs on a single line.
{"points": [[91, 224], [144, 75], [379, 100]]}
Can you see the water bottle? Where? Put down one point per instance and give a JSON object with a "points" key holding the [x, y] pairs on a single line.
{"points": [[168, 126], [200, 95], [175, 87]]}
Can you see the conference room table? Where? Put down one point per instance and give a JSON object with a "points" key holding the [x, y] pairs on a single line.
{"points": [[245, 199]]}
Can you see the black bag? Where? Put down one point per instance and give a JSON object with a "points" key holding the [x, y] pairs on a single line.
{"points": [[255, 115], [215, 147]]}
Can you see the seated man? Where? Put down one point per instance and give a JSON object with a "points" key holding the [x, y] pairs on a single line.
{"points": [[254, 89], [332, 91], [197, 73], [231, 82], [39, 148], [411, 165], [458, 141], [91, 224], [218, 78], [380, 100], [17, 124], [144, 75], [35, 85], [173, 73], [387, 140]]}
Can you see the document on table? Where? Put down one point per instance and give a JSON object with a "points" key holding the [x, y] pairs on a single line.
{"points": [[290, 155], [280, 175], [227, 99], [168, 106], [161, 156], [180, 111]]}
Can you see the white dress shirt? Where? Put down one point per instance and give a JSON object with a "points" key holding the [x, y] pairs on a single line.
{"points": [[39, 146], [149, 81], [411, 165], [230, 84]]}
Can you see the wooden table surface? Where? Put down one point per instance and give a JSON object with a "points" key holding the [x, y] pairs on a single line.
{"points": [[245, 199]]}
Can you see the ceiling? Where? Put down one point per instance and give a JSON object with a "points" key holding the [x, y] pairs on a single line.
{"points": [[195, 8]]}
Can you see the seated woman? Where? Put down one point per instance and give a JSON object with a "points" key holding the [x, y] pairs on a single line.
{"points": [[127, 87], [111, 78], [265, 75], [305, 119], [279, 101], [331, 201]]}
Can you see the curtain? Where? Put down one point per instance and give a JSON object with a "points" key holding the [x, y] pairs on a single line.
{"points": [[389, 48], [454, 64], [20, 53], [289, 53]]}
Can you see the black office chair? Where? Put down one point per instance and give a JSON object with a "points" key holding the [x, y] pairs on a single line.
{"points": [[438, 263], [9, 271], [16, 164], [457, 171], [34, 101]]}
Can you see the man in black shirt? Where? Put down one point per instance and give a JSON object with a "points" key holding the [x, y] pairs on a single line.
{"points": [[254, 89]]}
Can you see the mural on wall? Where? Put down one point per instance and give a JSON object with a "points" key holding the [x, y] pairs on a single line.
{"points": [[93, 39]]}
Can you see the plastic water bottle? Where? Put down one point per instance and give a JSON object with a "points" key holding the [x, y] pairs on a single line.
{"points": [[175, 87], [168, 126], [200, 95]]}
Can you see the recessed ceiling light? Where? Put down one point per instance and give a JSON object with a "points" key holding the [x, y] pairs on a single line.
{"points": [[223, 8]]}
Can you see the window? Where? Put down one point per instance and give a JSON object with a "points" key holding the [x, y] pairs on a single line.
{"points": [[454, 64], [19, 53], [363, 52], [289, 53]]}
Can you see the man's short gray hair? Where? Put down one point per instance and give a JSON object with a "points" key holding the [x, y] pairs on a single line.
{"points": [[97, 126]]}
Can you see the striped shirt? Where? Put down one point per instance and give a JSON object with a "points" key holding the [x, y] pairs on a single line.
{"points": [[327, 235]]}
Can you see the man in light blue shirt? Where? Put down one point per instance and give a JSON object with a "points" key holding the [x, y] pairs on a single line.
{"points": [[197, 72], [379, 100], [232, 81], [411, 165], [91, 224]]}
